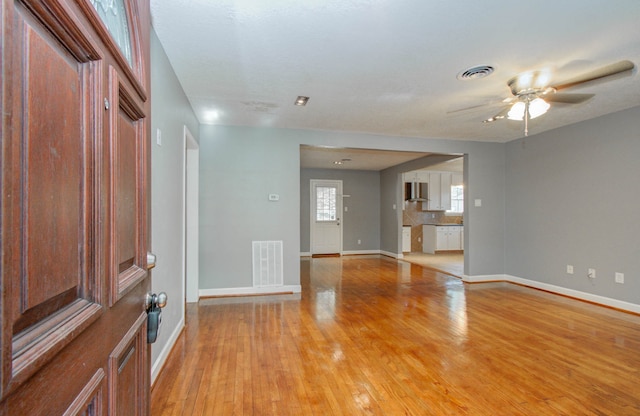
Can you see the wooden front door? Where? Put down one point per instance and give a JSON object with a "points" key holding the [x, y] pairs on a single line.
{"points": [[74, 212]]}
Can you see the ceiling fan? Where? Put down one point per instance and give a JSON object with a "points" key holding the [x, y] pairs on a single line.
{"points": [[533, 91]]}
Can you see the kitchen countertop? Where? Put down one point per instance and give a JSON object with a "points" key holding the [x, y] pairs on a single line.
{"points": [[446, 225]]}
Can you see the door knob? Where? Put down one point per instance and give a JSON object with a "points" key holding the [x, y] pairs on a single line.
{"points": [[161, 300], [154, 304], [151, 300]]}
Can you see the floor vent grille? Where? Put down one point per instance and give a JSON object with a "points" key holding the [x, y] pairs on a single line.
{"points": [[267, 263]]}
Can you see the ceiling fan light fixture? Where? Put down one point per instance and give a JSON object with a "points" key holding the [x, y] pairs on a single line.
{"points": [[537, 108], [516, 112]]}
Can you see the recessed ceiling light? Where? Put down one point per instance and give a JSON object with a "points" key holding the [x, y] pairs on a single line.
{"points": [[338, 162], [301, 100]]}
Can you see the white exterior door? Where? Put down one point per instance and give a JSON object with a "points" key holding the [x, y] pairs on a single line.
{"points": [[326, 210]]}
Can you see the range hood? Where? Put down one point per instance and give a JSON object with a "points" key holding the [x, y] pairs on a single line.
{"points": [[415, 191]]}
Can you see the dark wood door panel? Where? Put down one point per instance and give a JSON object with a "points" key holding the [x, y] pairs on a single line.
{"points": [[90, 400], [73, 211], [53, 143], [63, 381], [127, 137], [128, 372], [49, 294]]}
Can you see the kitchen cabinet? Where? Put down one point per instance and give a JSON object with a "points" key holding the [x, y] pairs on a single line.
{"points": [[406, 238], [439, 192], [442, 238]]}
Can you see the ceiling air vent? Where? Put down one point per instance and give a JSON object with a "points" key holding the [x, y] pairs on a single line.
{"points": [[476, 72]]}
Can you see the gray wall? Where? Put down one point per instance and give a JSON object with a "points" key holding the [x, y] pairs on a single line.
{"points": [[170, 111], [573, 198], [240, 166], [361, 221]]}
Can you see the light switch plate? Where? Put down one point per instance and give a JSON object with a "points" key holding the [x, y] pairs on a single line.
{"points": [[477, 202]]}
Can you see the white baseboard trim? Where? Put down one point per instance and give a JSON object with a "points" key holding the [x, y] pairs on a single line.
{"points": [[485, 278], [356, 252], [347, 252], [248, 291], [589, 297], [392, 255], [559, 290], [164, 354]]}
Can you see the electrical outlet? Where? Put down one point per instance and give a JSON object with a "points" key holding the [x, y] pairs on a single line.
{"points": [[619, 277], [591, 273], [569, 269], [359, 241]]}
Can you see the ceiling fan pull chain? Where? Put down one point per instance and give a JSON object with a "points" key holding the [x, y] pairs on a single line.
{"points": [[526, 118]]}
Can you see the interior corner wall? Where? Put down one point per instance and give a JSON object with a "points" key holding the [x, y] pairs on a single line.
{"points": [[573, 199], [170, 112], [361, 206]]}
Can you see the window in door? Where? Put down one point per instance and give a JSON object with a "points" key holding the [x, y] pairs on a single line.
{"points": [[114, 15], [326, 203]]}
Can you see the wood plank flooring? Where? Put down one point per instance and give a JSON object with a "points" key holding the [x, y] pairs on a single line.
{"points": [[373, 336]]}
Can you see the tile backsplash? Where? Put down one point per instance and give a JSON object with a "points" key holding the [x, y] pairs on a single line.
{"points": [[414, 216]]}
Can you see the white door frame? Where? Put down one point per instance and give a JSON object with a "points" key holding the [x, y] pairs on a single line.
{"points": [[312, 210], [191, 156]]}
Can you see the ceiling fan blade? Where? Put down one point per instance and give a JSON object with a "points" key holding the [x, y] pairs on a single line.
{"points": [[473, 107], [605, 71], [502, 114], [567, 98]]}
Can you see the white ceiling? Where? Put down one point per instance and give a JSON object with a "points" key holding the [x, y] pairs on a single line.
{"points": [[389, 67]]}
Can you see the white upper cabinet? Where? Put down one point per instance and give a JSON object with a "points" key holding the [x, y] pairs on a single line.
{"points": [[439, 198]]}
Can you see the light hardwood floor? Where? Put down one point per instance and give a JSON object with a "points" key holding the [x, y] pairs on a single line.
{"points": [[445, 262], [370, 335]]}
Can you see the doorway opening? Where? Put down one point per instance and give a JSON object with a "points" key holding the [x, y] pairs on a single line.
{"points": [[190, 213], [433, 226]]}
